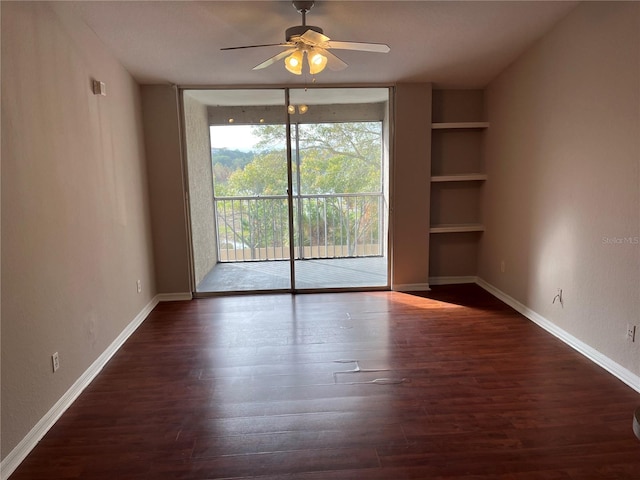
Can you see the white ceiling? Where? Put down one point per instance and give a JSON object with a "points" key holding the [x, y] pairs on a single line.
{"points": [[452, 43]]}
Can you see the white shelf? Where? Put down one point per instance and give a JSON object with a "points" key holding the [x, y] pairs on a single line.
{"points": [[458, 125], [457, 228], [465, 177]]}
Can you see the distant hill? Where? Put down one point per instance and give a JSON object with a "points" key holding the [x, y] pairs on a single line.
{"points": [[231, 159]]}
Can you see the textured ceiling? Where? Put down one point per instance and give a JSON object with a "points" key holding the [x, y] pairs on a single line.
{"points": [[453, 44]]}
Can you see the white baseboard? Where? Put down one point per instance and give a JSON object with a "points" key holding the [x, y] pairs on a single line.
{"points": [[174, 297], [451, 280], [28, 443], [591, 353], [410, 287]]}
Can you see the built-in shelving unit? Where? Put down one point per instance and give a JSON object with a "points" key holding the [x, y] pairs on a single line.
{"points": [[458, 125], [462, 177], [457, 180], [457, 228]]}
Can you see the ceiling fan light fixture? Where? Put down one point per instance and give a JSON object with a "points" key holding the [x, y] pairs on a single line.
{"points": [[293, 62], [317, 61]]}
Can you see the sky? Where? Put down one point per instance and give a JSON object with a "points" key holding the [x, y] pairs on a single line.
{"points": [[233, 137]]}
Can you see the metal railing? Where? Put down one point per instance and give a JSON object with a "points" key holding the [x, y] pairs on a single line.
{"points": [[326, 226]]}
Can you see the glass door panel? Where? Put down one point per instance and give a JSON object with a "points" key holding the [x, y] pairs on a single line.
{"points": [[340, 169], [238, 189]]}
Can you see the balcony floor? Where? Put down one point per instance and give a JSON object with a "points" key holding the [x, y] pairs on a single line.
{"points": [[310, 274]]}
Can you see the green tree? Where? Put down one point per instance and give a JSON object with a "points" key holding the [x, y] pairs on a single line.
{"points": [[226, 161], [334, 157], [265, 175]]}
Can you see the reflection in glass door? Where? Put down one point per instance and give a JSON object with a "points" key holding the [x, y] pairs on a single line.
{"points": [[252, 216]]}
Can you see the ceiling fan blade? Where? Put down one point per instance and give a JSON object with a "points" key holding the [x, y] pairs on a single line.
{"points": [[363, 47], [256, 46], [311, 37], [333, 62], [270, 61]]}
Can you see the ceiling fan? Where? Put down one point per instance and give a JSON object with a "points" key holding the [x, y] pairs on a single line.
{"points": [[310, 42]]}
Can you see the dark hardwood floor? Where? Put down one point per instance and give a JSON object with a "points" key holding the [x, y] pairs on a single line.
{"points": [[344, 386]]}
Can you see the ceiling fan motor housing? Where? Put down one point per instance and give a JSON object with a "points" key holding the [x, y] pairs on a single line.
{"points": [[299, 30], [302, 6]]}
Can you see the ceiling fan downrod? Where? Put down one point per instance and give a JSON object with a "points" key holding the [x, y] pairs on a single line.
{"points": [[302, 8], [298, 30]]}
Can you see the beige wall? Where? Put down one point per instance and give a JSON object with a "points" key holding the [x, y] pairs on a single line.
{"points": [[198, 147], [161, 113], [562, 156], [75, 218], [411, 180]]}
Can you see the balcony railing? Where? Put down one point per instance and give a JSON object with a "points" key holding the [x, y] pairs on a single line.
{"points": [[326, 226]]}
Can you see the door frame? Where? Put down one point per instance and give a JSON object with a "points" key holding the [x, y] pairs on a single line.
{"points": [[388, 190]]}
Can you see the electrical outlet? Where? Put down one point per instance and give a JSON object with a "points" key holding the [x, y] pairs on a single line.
{"points": [[139, 286], [631, 333], [502, 266], [55, 361]]}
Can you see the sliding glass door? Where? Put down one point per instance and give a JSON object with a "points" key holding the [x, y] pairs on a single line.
{"points": [[294, 191]]}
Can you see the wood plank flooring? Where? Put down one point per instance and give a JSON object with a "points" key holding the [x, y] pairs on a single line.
{"points": [[377, 385]]}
